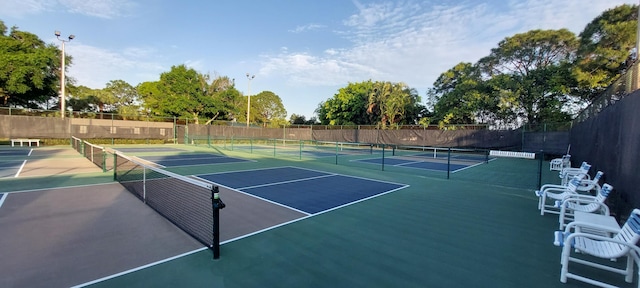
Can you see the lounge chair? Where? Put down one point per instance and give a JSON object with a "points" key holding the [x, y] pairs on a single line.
{"points": [[586, 185], [560, 163], [567, 173], [557, 193], [583, 203], [622, 244]]}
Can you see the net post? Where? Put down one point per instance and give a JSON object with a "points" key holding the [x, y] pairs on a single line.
{"points": [[448, 162], [301, 143], [144, 184], [104, 160], [336, 153], [216, 205], [383, 145], [115, 167], [275, 141], [486, 155]]}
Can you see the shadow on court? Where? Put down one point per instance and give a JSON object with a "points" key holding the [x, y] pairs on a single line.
{"points": [[70, 236]]}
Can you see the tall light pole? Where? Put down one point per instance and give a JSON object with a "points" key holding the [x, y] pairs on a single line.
{"points": [[62, 82], [250, 77]]}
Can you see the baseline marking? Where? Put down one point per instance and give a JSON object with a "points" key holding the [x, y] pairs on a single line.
{"points": [[139, 268]]}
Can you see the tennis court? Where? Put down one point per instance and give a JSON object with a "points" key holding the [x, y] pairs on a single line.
{"points": [[288, 223], [190, 159], [431, 158], [305, 190]]}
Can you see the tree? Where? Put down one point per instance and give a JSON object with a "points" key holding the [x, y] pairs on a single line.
{"points": [[462, 97], [348, 106], [124, 96], [149, 94], [226, 99], [390, 102], [531, 73], [29, 69], [297, 119], [182, 92], [604, 49], [268, 108]]}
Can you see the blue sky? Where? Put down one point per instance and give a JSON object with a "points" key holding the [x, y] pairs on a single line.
{"points": [[302, 50]]}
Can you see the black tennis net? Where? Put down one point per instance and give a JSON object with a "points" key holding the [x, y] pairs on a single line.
{"points": [[441, 154], [184, 201]]}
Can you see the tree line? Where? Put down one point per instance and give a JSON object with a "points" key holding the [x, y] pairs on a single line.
{"points": [[540, 76]]}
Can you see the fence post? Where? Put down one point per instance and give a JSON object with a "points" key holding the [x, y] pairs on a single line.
{"points": [[540, 168], [448, 162]]}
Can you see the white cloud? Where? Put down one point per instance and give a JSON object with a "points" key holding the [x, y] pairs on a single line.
{"points": [[415, 41], [20, 8], [307, 27], [96, 8], [99, 8], [94, 67]]}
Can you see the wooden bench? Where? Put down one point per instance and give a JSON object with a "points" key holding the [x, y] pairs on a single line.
{"points": [[24, 140]]}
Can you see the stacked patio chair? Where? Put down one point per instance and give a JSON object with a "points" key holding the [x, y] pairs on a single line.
{"points": [[579, 245]]}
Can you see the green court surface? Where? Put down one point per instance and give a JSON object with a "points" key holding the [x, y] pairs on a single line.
{"points": [[479, 228]]}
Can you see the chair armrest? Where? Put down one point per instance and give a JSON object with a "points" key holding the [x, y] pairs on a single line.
{"points": [[580, 198], [587, 225], [569, 239], [563, 204], [555, 189]]}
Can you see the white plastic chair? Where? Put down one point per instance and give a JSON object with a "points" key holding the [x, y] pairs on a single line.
{"points": [[558, 164], [567, 173], [557, 193], [622, 244], [586, 185], [583, 203]]}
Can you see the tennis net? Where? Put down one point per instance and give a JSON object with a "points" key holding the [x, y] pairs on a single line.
{"points": [[77, 144], [97, 155], [347, 148], [424, 153], [184, 201]]}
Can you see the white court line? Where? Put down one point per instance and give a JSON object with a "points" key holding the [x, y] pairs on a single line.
{"points": [[58, 188], [286, 182], [251, 195], [30, 151], [4, 196], [21, 167], [139, 268], [246, 235]]}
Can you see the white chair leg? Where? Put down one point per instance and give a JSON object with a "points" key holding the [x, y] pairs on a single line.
{"points": [[629, 276], [564, 261]]}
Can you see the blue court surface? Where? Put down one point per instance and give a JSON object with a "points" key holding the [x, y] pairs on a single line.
{"points": [[15, 152], [148, 149], [10, 168], [190, 159], [426, 165], [308, 191]]}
